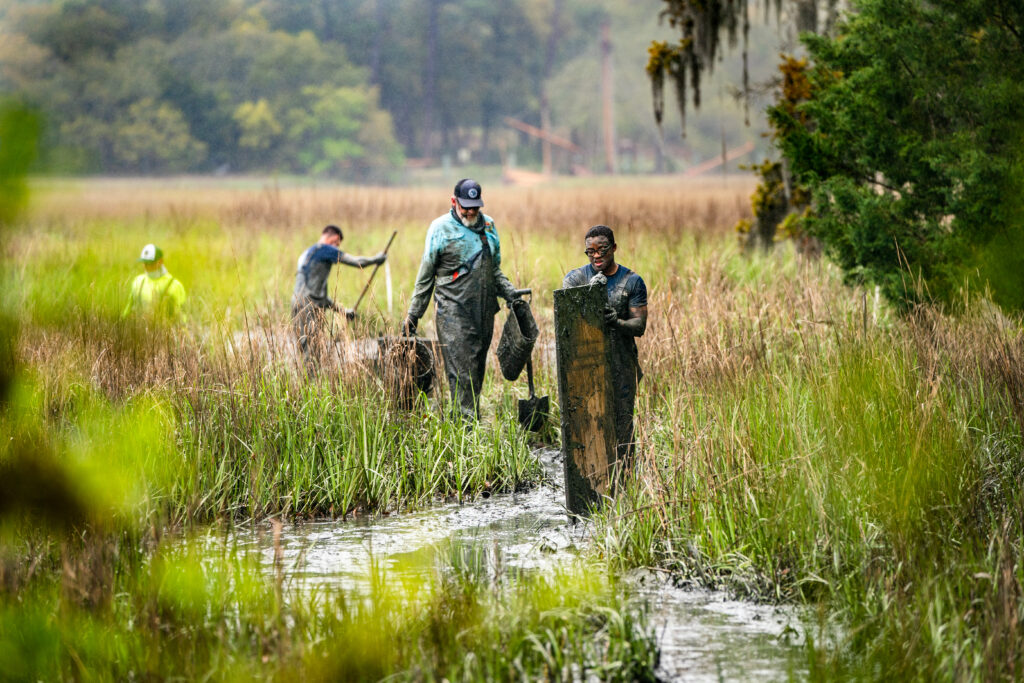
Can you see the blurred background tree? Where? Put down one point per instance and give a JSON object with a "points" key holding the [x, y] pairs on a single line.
{"points": [[429, 80], [900, 135]]}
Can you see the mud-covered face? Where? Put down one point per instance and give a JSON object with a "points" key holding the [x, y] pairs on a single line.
{"points": [[601, 253]]}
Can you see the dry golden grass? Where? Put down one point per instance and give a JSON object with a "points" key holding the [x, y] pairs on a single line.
{"points": [[662, 204]]}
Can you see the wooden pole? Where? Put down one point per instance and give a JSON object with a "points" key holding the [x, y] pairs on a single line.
{"points": [[608, 98], [376, 267]]}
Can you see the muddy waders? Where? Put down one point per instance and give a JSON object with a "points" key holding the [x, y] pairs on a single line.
{"points": [[462, 267]]}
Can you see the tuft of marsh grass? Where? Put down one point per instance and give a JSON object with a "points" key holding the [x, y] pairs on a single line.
{"points": [[270, 443]]}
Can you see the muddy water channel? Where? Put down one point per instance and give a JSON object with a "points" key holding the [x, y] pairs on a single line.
{"points": [[703, 635]]}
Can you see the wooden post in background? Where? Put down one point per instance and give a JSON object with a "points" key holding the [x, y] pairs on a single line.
{"points": [[608, 99], [585, 395]]}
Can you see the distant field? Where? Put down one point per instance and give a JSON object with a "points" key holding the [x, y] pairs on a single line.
{"points": [[669, 202]]}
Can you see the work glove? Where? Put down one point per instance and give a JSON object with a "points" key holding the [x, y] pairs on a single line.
{"points": [[350, 314], [379, 258], [599, 279], [611, 318], [409, 326]]}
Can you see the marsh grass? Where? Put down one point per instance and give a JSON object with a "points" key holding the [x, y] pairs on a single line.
{"points": [[794, 453], [183, 611], [797, 440], [321, 447]]}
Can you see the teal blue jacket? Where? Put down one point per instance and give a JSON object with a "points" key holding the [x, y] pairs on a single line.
{"points": [[450, 269]]}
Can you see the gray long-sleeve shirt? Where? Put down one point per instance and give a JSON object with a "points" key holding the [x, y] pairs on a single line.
{"points": [[313, 269]]}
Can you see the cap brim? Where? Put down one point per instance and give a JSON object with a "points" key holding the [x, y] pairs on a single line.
{"points": [[470, 203]]}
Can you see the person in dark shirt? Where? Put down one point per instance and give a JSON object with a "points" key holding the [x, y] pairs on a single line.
{"points": [[461, 266], [309, 299], [626, 315]]}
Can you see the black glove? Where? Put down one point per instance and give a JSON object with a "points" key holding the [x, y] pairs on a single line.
{"points": [[350, 314], [409, 326], [380, 258], [611, 318]]}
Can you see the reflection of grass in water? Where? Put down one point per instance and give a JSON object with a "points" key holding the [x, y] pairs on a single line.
{"points": [[181, 611]]}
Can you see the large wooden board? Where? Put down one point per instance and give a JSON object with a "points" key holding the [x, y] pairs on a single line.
{"points": [[585, 395]]}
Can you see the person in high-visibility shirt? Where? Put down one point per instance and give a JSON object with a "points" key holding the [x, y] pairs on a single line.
{"points": [[156, 292]]}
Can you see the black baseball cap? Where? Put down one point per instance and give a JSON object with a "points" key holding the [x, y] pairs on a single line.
{"points": [[468, 193]]}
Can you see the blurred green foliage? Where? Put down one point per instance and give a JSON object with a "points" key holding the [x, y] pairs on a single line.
{"points": [[205, 609], [19, 132], [165, 86]]}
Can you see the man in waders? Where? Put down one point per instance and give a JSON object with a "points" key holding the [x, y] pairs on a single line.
{"points": [[461, 265], [626, 316], [310, 302], [156, 293]]}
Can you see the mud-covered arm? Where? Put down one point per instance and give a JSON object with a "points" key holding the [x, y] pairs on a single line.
{"points": [[361, 261], [424, 283], [574, 278], [636, 324], [502, 284]]}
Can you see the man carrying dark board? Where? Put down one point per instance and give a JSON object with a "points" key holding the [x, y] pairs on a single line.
{"points": [[626, 316]]}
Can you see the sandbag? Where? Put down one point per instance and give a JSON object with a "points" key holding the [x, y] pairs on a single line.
{"points": [[518, 337]]}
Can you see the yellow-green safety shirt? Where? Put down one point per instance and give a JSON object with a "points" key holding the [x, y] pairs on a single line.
{"points": [[164, 295]]}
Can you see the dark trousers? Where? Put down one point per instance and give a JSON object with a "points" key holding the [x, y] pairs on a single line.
{"points": [[308, 324], [625, 382], [464, 348]]}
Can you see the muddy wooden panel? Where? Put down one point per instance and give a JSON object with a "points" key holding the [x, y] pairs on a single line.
{"points": [[585, 395]]}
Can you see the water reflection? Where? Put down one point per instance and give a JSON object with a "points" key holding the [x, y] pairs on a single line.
{"points": [[703, 635]]}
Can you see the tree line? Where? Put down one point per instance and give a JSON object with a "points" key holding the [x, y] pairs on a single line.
{"points": [[346, 88]]}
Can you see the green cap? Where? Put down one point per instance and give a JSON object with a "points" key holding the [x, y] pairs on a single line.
{"points": [[151, 253]]}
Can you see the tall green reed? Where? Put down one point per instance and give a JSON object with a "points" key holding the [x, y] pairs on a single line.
{"points": [[269, 443]]}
